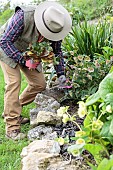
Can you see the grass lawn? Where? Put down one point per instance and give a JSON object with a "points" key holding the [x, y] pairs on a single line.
{"points": [[10, 150]]}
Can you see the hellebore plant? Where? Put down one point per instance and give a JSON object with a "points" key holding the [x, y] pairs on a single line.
{"points": [[86, 74]]}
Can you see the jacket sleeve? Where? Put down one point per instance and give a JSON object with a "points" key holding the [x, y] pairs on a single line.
{"points": [[13, 30]]}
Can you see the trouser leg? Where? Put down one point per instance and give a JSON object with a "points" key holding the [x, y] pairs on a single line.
{"points": [[36, 84], [5, 76], [12, 107], [5, 79]]}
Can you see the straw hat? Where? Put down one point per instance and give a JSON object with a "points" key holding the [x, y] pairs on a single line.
{"points": [[52, 20]]}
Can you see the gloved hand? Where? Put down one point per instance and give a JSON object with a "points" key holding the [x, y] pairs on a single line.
{"points": [[62, 80], [31, 64]]}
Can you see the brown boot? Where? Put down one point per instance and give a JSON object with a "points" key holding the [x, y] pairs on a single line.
{"points": [[23, 120], [15, 135]]}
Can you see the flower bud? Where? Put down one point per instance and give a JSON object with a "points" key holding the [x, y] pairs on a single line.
{"points": [[80, 141], [109, 108]]}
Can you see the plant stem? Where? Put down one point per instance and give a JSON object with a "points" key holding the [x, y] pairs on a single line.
{"points": [[77, 125], [74, 121], [107, 153], [100, 116]]}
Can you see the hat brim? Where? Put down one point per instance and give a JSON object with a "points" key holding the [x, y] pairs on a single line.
{"points": [[43, 29]]}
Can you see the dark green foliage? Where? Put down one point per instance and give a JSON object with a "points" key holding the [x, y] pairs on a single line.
{"points": [[88, 38]]}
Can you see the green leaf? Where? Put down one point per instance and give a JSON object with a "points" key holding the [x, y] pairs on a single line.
{"points": [[105, 129], [110, 164], [75, 147], [111, 127], [111, 156], [106, 86], [106, 164], [111, 70], [109, 99], [103, 165], [93, 99], [92, 166], [87, 120], [105, 132], [95, 150], [74, 138]]}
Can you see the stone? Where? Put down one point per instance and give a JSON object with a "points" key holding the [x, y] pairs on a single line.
{"points": [[41, 146], [63, 165], [43, 103], [33, 116], [48, 118], [51, 136], [42, 132], [39, 161]]}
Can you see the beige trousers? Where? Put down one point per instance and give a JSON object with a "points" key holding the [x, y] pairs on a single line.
{"points": [[12, 102]]}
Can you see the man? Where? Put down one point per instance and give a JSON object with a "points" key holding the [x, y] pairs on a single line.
{"points": [[48, 20]]}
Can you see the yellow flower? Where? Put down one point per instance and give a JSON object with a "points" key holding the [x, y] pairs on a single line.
{"points": [[97, 125], [80, 141], [65, 118], [75, 152], [62, 110], [80, 133], [109, 108], [81, 104], [61, 141], [82, 111]]}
